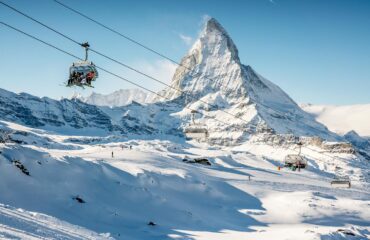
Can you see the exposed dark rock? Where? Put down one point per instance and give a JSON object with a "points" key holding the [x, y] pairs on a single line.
{"points": [[346, 232], [203, 161], [21, 167], [78, 199], [151, 223]]}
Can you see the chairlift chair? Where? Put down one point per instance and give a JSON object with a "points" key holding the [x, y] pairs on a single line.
{"points": [[341, 182], [82, 73], [196, 130], [295, 160]]}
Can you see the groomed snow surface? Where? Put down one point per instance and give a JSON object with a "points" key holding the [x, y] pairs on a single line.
{"points": [[76, 190]]}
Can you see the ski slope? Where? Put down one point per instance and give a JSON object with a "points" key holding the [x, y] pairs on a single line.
{"points": [[242, 195]]}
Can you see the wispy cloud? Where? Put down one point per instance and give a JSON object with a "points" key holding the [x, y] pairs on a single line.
{"points": [[186, 39], [272, 1], [160, 69], [202, 23], [205, 18]]}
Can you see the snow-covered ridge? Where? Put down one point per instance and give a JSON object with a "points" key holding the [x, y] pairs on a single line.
{"points": [[118, 98], [78, 118]]}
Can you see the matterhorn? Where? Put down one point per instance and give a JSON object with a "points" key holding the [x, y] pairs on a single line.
{"points": [[212, 80]]}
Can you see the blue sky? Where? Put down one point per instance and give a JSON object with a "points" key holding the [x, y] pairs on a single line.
{"points": [[318, 51]]}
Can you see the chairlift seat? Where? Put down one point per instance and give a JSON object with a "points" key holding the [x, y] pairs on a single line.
{"points": [[84, 67], [82, 73], [295, 160], [196, 132], [86, 72], [341, 183]]}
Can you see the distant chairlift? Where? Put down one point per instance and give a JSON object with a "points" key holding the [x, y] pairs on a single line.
{"points": [[295, 161], [340, 180], [196, 130]]}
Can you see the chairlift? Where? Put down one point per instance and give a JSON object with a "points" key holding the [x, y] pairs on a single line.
{"points": [[295, 161], [196, 130], [82, 73], [341, 182]]}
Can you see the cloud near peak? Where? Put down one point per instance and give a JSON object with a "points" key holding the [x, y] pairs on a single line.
{"points": [[186, 39]]}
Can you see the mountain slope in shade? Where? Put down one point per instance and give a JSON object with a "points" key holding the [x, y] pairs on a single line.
{"points": [[342, 119], [78, 118], [213, 73]]}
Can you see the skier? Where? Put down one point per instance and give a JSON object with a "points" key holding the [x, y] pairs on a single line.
{"points": [[112, 155]]}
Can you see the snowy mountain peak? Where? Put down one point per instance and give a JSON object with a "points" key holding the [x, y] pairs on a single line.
{"points": [[211, 65], [212, 78], [214, 34], [213, 25]]}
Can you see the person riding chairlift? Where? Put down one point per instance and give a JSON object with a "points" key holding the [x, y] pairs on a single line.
{"points": [[72, 78], [89, 77], [80, 78]]}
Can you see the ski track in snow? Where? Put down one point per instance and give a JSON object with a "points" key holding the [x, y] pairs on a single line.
{"points": [[21, 224]]}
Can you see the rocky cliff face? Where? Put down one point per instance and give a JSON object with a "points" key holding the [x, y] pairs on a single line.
{"points": [[77, 117], [39, 112]]}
